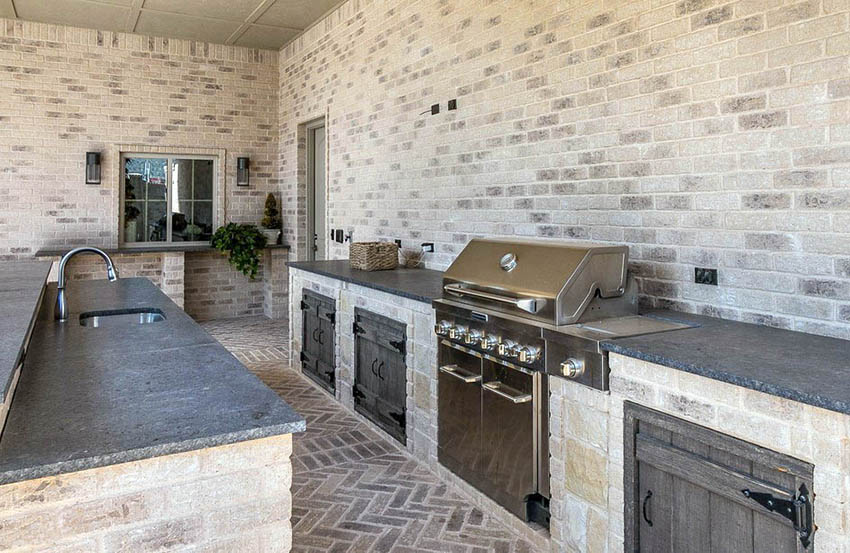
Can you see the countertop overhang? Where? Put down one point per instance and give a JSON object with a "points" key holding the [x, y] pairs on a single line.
{"points": [[91, 397]]}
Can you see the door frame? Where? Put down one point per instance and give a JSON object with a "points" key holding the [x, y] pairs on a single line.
{"points": [[311, 230]]}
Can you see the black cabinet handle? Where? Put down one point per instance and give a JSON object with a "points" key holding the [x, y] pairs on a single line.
{"points": [[645, 501], [321, 333], [381, 366], [374, 372], [315, 333]]}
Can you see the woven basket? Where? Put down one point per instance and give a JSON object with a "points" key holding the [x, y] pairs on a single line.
{"points": [[373, 256]]}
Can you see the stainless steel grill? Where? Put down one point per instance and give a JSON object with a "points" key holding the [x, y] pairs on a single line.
{"points": [[512, 314]]}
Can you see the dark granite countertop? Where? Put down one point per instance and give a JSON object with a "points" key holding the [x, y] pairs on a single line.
{"points": [[90, 397], [59, 251], [422, 285], [801, 367], [21, 285]]}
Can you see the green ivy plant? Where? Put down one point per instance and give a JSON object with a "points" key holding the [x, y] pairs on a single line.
{"points": [[244, 242]]}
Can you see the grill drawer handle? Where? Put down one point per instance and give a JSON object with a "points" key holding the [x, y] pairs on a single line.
{"points": [[453, 370], [531, 305], [496, 388]]}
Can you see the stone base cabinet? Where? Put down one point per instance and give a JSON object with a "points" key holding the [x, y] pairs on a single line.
{"points": [[593, 512]]}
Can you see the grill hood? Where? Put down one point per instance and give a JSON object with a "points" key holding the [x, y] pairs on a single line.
{"points": [[551, 282]]}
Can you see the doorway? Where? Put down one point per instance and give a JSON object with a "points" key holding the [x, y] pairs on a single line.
{"points": [[317, 191]]}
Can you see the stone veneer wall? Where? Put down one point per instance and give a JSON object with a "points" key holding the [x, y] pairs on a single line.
{"points": [[227, 498], [708, 133], [65, 91], [421, 415], [587, 447]]}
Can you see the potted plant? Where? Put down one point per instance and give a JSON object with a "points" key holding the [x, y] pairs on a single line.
{"points": [[271, 220], [244, 243]]}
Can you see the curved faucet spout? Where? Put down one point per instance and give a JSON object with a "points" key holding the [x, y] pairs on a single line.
{"points": [[61, 311]]}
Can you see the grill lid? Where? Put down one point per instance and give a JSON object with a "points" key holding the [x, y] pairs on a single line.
{"points": [[547, 281]]}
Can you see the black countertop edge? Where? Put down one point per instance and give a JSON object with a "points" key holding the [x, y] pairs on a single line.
{"points": [[724, 376], [423, 285], [805, 368], [19, 279], [118, 457], [58, 251]]}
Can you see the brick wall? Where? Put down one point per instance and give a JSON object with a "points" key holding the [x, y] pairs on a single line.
{"points": [[700, 132], [65, 91], [214, 289], [227, 498]]}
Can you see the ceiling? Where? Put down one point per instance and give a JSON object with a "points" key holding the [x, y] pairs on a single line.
{"points": [[253, 23]]}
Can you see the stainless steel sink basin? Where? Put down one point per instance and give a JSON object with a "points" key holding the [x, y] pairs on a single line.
{"points": [[122, 317]]}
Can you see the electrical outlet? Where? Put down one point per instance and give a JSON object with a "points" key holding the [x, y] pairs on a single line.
{"points": [[703, 275], [453, 104], [398, 243], [428, 247], [340, 236], [435, 109]]}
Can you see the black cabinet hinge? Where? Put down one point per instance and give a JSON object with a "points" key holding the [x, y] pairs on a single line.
{"points": [[332, 318], [399, 418], [798, 510], [400, 345], [357, 393], [304, 305], [304, 358], [356, 328]]}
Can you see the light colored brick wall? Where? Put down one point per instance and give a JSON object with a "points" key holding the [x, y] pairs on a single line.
{"points": [[587, 447], [228, 498], [65, 91], [217, 290], [701, 132]]}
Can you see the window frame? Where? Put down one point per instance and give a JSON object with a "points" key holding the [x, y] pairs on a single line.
{"points": [[170, 157]]}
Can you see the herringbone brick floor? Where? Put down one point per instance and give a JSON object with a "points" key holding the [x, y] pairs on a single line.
{"points": [[355, 491]]}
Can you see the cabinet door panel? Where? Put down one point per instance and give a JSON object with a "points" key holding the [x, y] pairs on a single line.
{"points": [[691, 517], [655, 509]]}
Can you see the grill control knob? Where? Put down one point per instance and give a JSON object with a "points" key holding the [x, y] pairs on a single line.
{"points": [[442, 328], [488, 342], [572, 368], [471, 337], [508, 349], [456, 332], [528, 354]]}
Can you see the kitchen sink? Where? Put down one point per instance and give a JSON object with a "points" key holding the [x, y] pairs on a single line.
{"points": [[122, 317]]}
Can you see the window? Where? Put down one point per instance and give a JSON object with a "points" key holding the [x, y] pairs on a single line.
{"points": [[167, 198]]}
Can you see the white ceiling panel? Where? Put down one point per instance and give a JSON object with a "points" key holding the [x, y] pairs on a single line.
{"points": [[184, 26], [262, 36], [6, 9], [218, 9], [252, 23], [296, 13], [78, 13]]}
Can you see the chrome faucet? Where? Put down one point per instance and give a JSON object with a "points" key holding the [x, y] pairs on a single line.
{"points": [[61, 311]]}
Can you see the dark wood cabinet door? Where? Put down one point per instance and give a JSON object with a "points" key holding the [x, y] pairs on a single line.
{"points": [[685, 490], [317, 339]]}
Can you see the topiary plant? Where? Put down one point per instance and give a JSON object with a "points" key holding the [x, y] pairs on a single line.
{"points": [[244, 243], [271, 216]]}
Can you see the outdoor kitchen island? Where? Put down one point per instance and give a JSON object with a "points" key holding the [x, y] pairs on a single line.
{"points": [[135, 436], [738, 404]]}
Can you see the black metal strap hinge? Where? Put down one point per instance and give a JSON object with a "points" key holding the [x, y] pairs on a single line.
{"points": [[798, 510], [400, 345], [399, 418], [304, 305], [357, 393], [304, 358], [332, 318], [356, 328]]}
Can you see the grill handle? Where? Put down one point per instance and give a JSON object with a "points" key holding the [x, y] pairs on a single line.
{"points": [[530, 305], [453, 370], [496, 387]]}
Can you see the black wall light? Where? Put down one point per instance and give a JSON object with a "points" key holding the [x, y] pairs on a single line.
{"points": [[242, 172], [92, 167]]}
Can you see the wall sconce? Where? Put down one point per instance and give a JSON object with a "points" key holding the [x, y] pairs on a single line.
{"points": [[242, 172], [92, 167]]}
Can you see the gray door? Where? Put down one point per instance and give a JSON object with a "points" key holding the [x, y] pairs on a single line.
{"points": [[691, 489], [317, 191]]}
